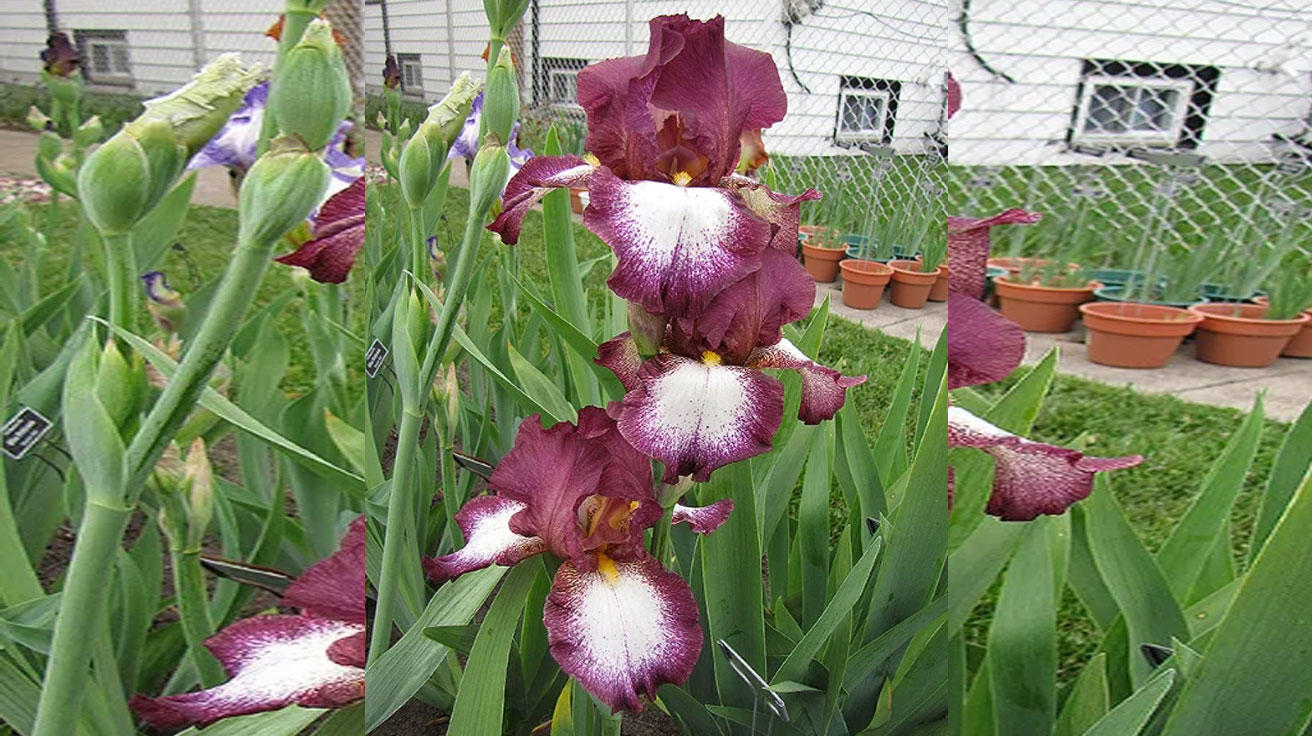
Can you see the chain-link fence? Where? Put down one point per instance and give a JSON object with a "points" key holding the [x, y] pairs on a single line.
{"points": [[1176, 121], [865, 84], [134, 50]]}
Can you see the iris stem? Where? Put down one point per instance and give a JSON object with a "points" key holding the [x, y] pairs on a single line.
{"points": [[450, 493], [120, 267], [660, 540], [418, 249], [194, 613], [83, 601], [398, 508], [101, 531]]}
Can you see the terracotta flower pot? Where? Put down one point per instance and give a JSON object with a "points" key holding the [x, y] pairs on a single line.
{"points": [[1300, 345], [576, 199], [863, 282], [1237, 335], [1128, 335], [1015, 265], [821, 263], [822, 236], [910, 286], [939, 292], [1039, 308]]}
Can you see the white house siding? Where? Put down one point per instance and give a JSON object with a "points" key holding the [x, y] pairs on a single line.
{"points": [[905, 43], [160, 37], [1041, 44]]}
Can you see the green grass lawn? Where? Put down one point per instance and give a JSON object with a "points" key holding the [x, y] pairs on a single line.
{"points": [[1179, 441]]}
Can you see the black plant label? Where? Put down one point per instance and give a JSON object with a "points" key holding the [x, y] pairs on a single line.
{"points": [[374, 358], [23, 431]]}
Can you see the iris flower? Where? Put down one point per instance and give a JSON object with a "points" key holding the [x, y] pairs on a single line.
{"points": [[617, 621], [665, 133], [704, 401], [235, 146], [466, 144], [336, 239], [1029, 478], [60, 57], [313, 659], [391, 73]]}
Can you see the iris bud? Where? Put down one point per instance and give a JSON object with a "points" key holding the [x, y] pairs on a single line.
{"points": [[164, 304], [452, 392], [487, 178], [56, 167], [280, 191], [198, 482], [424, 154], [126, 177], [117, 385], [89, 132], [647, 329], [311, 91], [501, 101], [502, 15], [38, 120]]}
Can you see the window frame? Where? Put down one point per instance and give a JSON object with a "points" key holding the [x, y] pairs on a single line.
{"points": [[887, 91], [1185, 89], [411, 60], [551, 66], [111, 39]]}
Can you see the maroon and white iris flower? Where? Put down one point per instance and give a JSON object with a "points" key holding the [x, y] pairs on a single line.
{"points": [[337, 237], [617, 621], [665, 134], [313, 659], [1029, 478], [704, 400]]}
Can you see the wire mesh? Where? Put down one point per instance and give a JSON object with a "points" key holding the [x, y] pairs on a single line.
{"points": [[1173, 121]]}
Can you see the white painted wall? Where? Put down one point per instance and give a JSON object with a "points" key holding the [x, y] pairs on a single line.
{"points": [[159, 35], [1041, 44], [840, 40]]}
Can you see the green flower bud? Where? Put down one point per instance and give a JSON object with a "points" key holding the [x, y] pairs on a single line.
{"points": [[452, 391], [501, 101], [56, 167], [126, 177], [117, 385], [502, 15], [198, 482], [487, 178], [388, 154], [311, 91], [280, 191], [197, 111], [647, 329], [38, 120], [424, 154], [89, 132], [410, 329], [65, 91]]}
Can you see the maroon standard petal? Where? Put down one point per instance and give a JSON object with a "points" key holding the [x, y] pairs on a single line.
{"points": [[334, 587], [823, 389], [620, 356], [696, 417], [485, 522], [983, 346], [968, 248], [718, 89], [782, 211], [1029, 478], [274, 661], [676, 246], [536, 178], [551, 471], [623, 629], [750, 312], [338, 236], [683, 106]]}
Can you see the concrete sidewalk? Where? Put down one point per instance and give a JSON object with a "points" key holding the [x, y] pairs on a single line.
{"points": [[18, 151]]}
